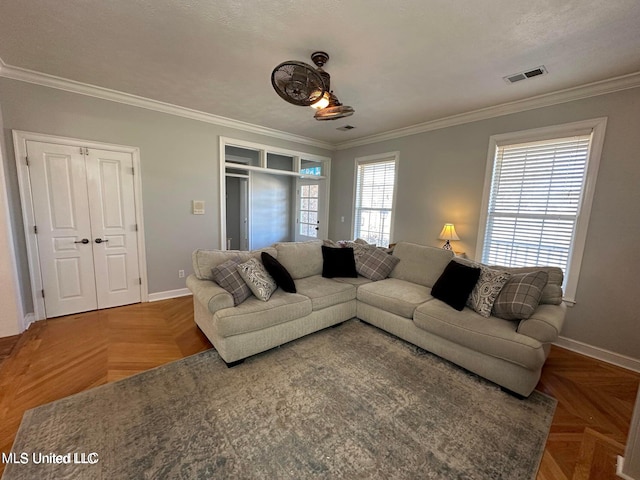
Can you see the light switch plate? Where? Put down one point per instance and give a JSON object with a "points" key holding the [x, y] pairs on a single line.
{"points": [[198, 207]]}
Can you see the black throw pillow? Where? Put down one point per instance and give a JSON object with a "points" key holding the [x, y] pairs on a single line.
{"points": [[455, 284], [338, 262], [278, 272]]}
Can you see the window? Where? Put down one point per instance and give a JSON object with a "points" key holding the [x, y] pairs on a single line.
{"points": [[374, 197], [538, 193]]}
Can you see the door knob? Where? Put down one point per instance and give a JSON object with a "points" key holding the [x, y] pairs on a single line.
{"points": [[99, 240], [84, 240]]}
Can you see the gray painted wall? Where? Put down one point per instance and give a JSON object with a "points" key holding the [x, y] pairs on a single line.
{"points": [[10, 314], [441, 179], [179, 161]]}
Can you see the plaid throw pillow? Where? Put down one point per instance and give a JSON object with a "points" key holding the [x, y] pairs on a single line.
{"points": [[375, 264], [226, 275], [520, 296]]}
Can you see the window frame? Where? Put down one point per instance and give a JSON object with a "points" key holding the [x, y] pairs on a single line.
{"points": [[372, 159], [597, 127]]}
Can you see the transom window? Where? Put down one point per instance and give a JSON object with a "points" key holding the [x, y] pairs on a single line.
{"points": [[538, 195]]}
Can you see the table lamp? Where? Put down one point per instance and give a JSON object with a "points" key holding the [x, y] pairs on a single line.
{"points": [[448, 233]]}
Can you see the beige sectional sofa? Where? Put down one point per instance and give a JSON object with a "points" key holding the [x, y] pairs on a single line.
{"points": [[509, 353]]}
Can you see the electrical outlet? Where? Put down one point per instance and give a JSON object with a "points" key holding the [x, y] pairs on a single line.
{"points": [[180, 273]]}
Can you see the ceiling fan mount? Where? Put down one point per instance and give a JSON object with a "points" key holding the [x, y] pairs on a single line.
{"points": [[301, 84]]}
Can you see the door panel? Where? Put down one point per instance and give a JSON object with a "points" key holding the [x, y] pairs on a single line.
{"points": [[59, 192], [310, 206], [113, 224]]}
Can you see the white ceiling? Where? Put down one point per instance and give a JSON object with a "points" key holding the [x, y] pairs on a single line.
{"points": [[398, 63]]}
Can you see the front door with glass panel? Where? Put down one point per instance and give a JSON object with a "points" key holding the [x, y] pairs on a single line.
{"points": [[311, 209]]}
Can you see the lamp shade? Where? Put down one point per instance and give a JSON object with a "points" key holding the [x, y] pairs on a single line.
{"points": [[448, 232]]}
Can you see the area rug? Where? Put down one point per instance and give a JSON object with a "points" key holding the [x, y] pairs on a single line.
{"points": [[344, 403]]}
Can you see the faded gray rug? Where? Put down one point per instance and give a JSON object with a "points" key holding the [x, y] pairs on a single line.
{"points": [[348, 402]]}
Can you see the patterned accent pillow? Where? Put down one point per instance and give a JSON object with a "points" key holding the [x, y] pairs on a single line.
{"points": [[375, 264], [260, 282], [226, 275], [487, 289], [520, 296]]}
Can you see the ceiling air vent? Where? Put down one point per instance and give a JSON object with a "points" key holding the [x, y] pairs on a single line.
{"points": [[516, 77], [346, 128]]}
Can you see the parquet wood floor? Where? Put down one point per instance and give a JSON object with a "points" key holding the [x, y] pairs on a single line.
{"points": [[59, 357]]}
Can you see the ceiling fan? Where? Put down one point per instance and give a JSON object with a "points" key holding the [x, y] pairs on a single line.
{"points": [[301, 84]]}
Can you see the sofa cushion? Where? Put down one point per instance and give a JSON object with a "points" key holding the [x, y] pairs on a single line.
{"points": [[375, 264], [455, 284], [301, 259], [360, 280], [394, 296], [205, 260], [491, 336], [520, 296], [325, 292], [254, 315], [227, 276], [420, 264], [260, 282], [278, 272], [338, 262]]}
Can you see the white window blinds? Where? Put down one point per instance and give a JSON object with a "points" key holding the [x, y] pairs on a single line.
{"points": [[535, 198], [375, 184]]}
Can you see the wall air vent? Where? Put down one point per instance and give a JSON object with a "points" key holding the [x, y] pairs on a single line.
{"points": [[516, 77], [346, 128]]}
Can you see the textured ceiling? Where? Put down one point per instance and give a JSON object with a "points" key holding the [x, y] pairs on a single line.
{"points": [[398, 63]]}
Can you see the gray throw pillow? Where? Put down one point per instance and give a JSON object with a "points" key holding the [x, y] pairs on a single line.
{"points": [[487, 289], [375, 264], [227, 276], [520, 296], [260, 282]]}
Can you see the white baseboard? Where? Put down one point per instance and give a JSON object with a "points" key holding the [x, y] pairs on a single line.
{"points": [[29, 318], [180, 292], [599, 353], [619, 467]]}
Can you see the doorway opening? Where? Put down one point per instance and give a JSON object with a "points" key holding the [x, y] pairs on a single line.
{"points": [[271, 195]]}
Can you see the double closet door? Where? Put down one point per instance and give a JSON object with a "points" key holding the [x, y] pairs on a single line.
{"points": [[85, 225]]}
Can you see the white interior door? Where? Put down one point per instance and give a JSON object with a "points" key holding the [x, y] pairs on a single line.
{"points": [[84, 210], [61, 211], [310, 210], [113, 226]]}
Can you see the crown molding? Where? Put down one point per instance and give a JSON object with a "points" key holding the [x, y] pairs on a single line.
{"points": [[52, 81], [602, 87]]}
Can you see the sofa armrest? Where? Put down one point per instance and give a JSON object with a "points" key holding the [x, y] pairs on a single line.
{"points": [[545, 324], [209, 294]]}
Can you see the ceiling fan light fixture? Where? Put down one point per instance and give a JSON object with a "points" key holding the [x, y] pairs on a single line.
{"points": [[323, 102], [298, 83], [301, 84]]}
